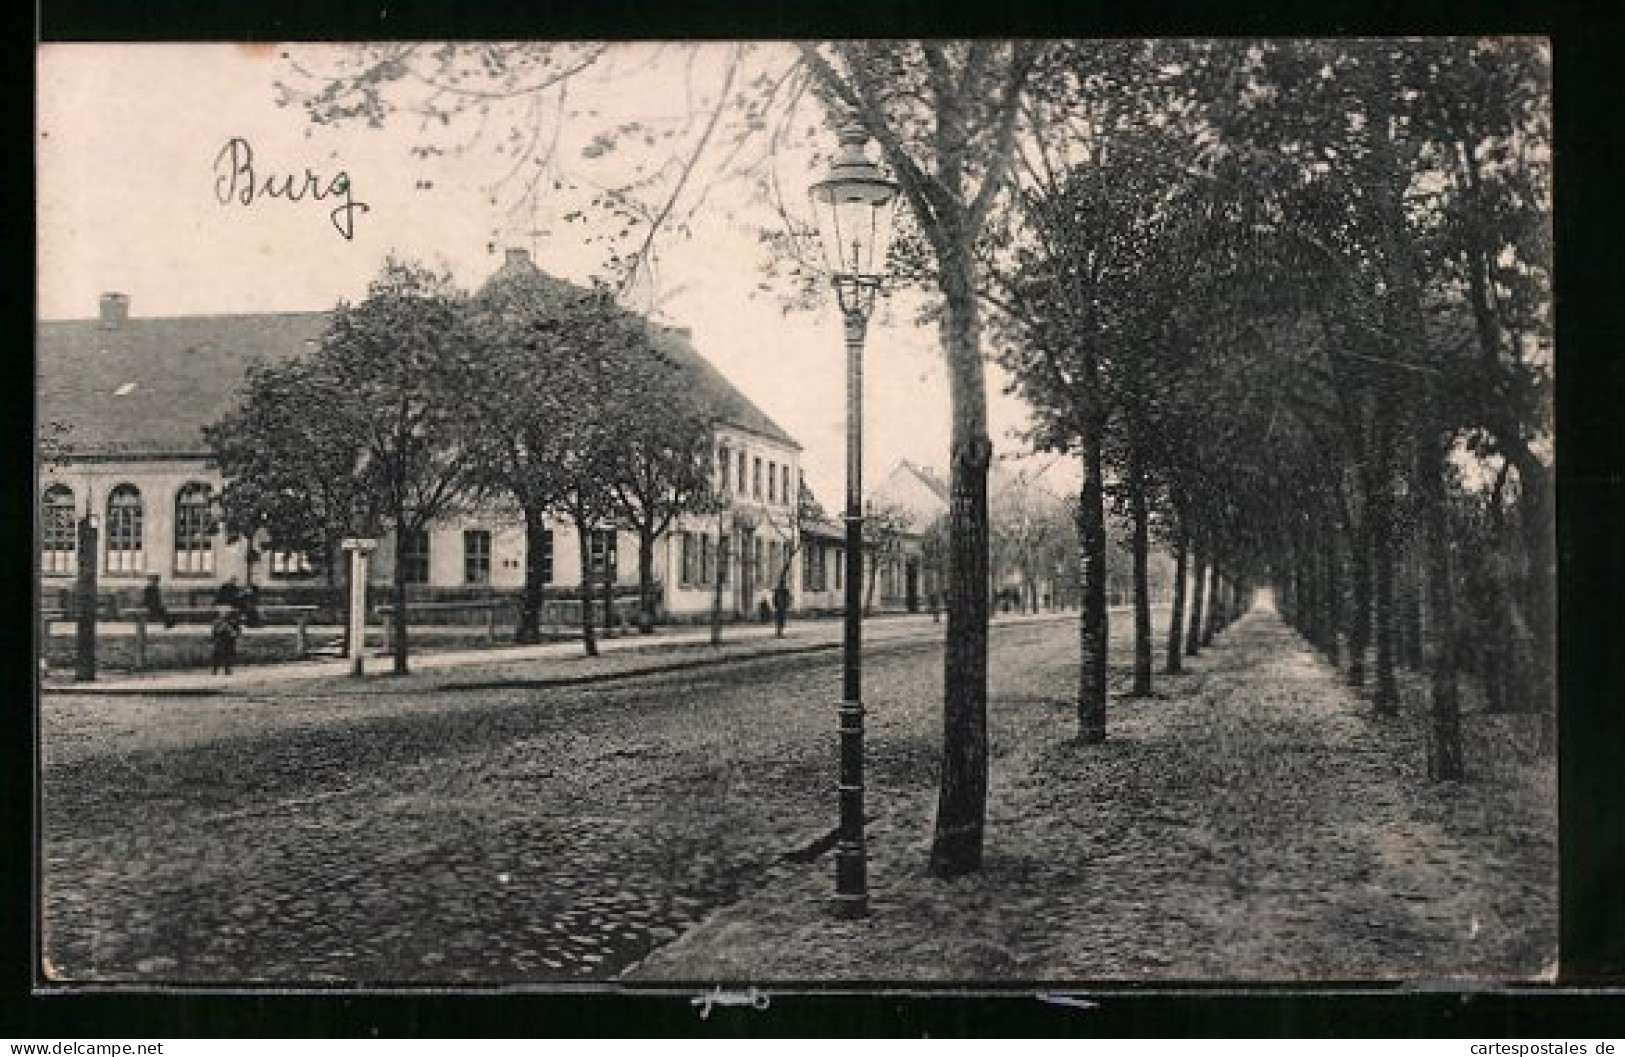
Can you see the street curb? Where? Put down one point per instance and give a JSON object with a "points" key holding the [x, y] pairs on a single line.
{"points": [[634, 673]]}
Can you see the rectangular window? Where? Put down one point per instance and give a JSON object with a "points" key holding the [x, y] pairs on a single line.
{"points": [[286, 565], [773, 560], [741, 473], [545, 558], [840, 568], [705, 558], [688, 569], [756, 477], [772, 482], [412, 546], [722, 558], [476, 556], [602, 555], [785, 492]]}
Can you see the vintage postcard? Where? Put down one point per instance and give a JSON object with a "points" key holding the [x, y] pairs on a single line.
{"points": [[755, 515]]}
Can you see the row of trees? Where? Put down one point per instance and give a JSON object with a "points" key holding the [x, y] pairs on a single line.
{"points": [[1288, 302], [421, 402]]}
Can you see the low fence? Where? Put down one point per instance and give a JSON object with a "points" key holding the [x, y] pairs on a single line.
{"points": [[129, 638]]}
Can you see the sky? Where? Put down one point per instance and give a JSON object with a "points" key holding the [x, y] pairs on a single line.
{"points": [[130, 141]]}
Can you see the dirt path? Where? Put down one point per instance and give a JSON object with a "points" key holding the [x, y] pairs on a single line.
{"points": [[1254, 821]]}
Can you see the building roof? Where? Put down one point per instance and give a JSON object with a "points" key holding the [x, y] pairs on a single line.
{"points": [[727, 404], [916, 491], [148, 386], [145, 387], [923, 495]]}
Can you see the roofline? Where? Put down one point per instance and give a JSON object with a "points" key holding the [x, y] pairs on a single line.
{"points": [[112, 455], [137, 320], [785, 440]]}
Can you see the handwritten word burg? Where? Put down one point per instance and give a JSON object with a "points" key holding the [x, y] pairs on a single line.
{"points": [[236, 180]]}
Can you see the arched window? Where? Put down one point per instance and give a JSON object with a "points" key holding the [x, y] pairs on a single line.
{"points": [[194, 531], [124, 516], [57, 537]]}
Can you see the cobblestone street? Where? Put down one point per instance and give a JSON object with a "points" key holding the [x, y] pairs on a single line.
{"points": [[675, 827], [455, 836]]}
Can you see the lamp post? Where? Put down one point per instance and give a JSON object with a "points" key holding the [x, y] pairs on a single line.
{"points": [[853, 205], [84, 652]]}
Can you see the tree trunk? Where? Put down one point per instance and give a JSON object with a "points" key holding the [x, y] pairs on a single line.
{"points": [[1176, 621], [869, 588], [1331, 562], [1142, 585], [1445, 756], [397, 616], [533, 596], [962, 797], [717, 579], [1193, 636], [1380, 516], [1411, 592], [589, 641], [1215, 603], [1540, 574], [1093, 628], [1360, 619], [646, 581]]}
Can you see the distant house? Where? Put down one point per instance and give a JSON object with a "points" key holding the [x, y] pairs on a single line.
{"points": [[130, 396], [917, 569]]}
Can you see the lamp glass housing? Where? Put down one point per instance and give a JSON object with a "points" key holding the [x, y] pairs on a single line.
{"points": [[854, 206]]}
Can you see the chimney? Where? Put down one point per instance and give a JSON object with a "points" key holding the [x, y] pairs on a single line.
{"points": [[518, 257], [115, 310]]}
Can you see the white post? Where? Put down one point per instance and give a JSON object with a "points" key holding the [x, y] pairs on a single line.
{"points": [[360, 550]]}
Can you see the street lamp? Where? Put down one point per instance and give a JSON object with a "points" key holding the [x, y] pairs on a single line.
{"points": [[853, 205]]}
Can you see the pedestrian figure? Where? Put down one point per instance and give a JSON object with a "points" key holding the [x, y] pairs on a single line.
{"points": [[223, 637], [781, 609], [152, 600], [228, 594]]}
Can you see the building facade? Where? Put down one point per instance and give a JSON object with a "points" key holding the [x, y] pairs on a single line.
{"points": [[122, 403]]}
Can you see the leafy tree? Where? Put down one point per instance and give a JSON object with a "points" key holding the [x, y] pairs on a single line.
{"points": [[1028, 532], [789, 526], [292, 465], [885, 526], [403, 360], [662, 465], [608, 362], [945, 115], [527, 392]]}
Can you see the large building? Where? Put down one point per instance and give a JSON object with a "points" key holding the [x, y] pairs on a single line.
{"points": [[122, 402]]}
